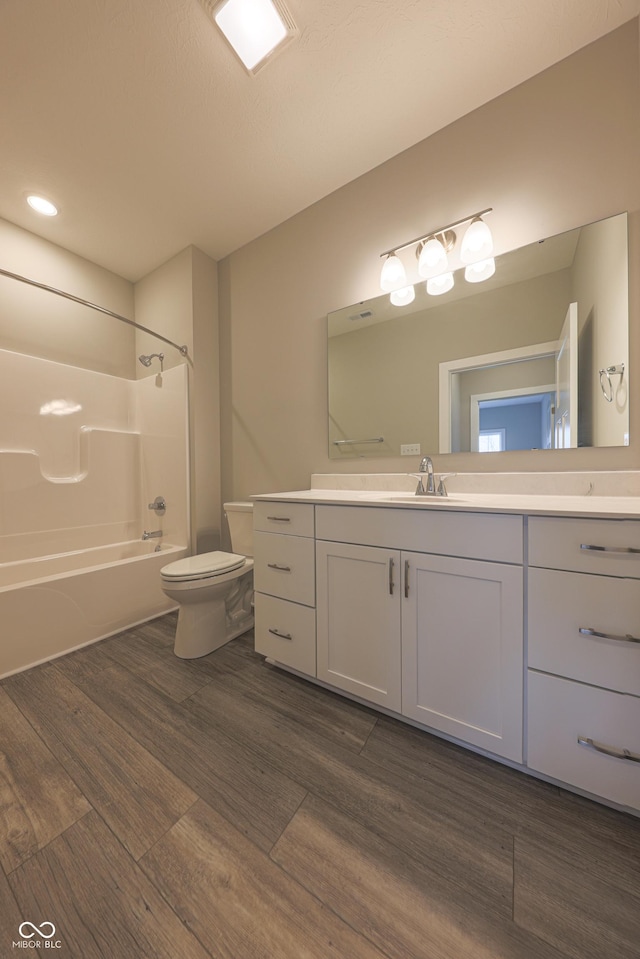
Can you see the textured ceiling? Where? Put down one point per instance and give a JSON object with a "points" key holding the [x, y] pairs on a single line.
{"points": [[137, 120]]}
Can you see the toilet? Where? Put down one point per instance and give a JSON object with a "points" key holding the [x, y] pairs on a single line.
{"points": [[214, 590]]}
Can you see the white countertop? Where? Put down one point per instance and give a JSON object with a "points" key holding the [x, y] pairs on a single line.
{"points": [[604, 507]]}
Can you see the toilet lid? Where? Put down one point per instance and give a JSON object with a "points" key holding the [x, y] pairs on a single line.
{"points": [[202, 566]]}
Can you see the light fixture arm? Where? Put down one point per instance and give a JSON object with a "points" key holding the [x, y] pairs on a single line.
{"points": [[436, 233]]}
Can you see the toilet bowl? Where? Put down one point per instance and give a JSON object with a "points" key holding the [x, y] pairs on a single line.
{"points": [[214, 590]]}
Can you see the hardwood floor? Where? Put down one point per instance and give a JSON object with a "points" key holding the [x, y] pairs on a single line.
{"points": [[153, 807]]}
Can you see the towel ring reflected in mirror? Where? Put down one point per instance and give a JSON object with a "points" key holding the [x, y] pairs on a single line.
{"points": [[609, 371]]}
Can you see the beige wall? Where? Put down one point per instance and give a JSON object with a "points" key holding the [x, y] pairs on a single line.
{"points": [[179, 300], [41, 324], [558, 151], [600, 271]]}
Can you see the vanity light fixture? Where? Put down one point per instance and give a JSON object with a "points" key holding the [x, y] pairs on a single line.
{"points": [[433, 264], [40, 205], [393, 273], [477, 243], [432, 254], [482, 270], [403, 297], [253, 28], [437, 285]]}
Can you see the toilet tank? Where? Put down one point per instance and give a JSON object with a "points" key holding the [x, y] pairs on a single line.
{"points": [[240, 520]]}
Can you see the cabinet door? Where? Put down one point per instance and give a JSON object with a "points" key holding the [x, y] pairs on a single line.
{"points": [[462, 656], [358, 621]]}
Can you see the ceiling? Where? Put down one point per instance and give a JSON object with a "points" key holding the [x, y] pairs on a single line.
{"points": [[137, 120]]}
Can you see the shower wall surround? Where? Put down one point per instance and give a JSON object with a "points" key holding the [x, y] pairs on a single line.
{"points": [[83, 453]]}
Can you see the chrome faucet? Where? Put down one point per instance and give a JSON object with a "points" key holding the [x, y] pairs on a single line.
{"points": [[426, 467], [154, 535]]}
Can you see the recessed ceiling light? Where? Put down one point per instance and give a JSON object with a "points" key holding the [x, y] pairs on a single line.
{"points": [[42, 206], [254, 28]]}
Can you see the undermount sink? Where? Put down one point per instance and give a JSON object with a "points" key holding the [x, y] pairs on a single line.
{"points": [[425, 500]]}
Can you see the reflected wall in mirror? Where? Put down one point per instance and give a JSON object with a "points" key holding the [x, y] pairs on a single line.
{"points": [[521, 361]]}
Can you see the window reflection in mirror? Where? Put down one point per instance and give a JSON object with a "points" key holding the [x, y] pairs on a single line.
{"points": [[512, 357]]}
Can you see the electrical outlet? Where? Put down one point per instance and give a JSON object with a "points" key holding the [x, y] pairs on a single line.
{"points": [[410, 449]]}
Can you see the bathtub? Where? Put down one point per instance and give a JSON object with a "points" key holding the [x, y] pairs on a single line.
{"points": [[54, 604]]}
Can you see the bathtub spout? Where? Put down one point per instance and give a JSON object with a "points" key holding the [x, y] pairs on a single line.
{"points": [[154, 535]]}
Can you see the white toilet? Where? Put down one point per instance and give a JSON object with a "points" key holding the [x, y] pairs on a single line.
{"points": [[214, 590]]}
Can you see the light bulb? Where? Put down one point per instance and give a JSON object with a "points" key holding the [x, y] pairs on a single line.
{"points": [[477, 243], [482, 270], [403, 297], [253, 28], [438, 285], [393, 273], [41, 205], [433, 258]]}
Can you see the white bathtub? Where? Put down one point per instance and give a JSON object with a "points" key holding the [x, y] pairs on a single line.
{"points": [[53, 604]]}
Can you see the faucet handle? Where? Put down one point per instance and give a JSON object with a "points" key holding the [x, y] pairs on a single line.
{"points": [[442, 489], [420, 489]]}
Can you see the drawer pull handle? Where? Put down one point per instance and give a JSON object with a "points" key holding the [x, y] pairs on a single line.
{"points": [[279, 519], [280, 635], [587, 631], [391, 583], [282, 569], [609, 750], [609, 549], [406, 579]]}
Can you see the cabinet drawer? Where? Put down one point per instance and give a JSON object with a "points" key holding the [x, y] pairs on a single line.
{"points": [[586, 545], [560, 713], [469, 535], [296, 519], [285, 566], [286, 633], [561, 604]]}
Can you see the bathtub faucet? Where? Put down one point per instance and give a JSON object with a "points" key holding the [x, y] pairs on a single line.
{"points": [[154, 535]]}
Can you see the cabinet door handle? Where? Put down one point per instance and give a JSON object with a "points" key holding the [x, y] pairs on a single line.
{"points": [[276, 632], [609, 549], [587, 631], [406, 578], [609, 750], [279, 519], [282, 569], [391, 583]]}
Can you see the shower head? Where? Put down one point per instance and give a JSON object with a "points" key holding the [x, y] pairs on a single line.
{"points": [[146, 360]]}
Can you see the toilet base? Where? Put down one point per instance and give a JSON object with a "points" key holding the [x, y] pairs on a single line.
{"points": [[213, 615], [204, 628]]}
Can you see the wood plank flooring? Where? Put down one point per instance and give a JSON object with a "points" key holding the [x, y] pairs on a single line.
{"points": [[153, 807]]}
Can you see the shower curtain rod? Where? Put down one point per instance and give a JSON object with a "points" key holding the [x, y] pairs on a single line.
{"points": [[183, 350]]}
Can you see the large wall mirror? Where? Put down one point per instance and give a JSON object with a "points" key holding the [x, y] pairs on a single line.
{"points": [[536, 357]]}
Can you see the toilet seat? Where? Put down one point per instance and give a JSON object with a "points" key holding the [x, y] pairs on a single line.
{"points": [[202, 566]]}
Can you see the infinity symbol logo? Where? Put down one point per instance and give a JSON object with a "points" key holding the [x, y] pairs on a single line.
{"points": [[39, 930]]}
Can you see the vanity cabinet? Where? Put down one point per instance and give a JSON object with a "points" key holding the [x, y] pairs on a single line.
{"points": [[284, 582], [421, 611], [584, 654], [359, 621], [437, 638], [462, 649]]}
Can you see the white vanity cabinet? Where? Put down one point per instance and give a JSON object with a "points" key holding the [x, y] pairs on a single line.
{"points": [[435, 637], [429, 612], [359, 621], [462, 649], [584, 654], [284, 581]]}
